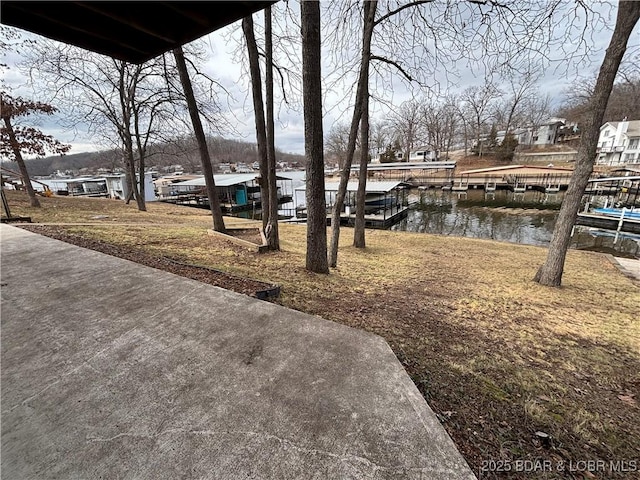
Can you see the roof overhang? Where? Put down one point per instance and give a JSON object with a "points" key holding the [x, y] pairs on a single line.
{"points": [[131, 31]]}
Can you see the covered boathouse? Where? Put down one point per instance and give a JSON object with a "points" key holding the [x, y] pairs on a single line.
{"points": [[386, 202], [237, 192]]}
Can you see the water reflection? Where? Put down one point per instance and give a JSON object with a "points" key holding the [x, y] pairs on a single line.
{"points": [[526, 218]]}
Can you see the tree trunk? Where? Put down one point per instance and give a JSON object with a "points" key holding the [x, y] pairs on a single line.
{"points": [[142, 201], [205, 160], [258, 107], [26, 180], [550, 273], [359, 231], [363, 79], [271, 230], [127, 141], [128, 186], [133, 184], [316, 257]]}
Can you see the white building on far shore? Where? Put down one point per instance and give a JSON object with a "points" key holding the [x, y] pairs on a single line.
{"points": [[619, 143]]}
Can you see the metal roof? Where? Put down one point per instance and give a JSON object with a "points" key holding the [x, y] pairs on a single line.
{"points": [[72, 180], [516, 167], [372, 187], [224, 180], [614, 179], [221, 180], [131, 31], [407, 166]]}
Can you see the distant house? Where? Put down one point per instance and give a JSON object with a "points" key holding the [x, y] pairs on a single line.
{"points": [[399, 157], [547, 133], [423, 154], [619, 143]]}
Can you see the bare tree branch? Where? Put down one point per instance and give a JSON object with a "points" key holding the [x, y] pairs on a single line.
{"points": [[395, 64]]}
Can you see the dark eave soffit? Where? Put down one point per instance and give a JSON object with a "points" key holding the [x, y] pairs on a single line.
{"points": [[130, 31]]}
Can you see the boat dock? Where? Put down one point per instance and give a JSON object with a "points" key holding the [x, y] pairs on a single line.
{"points": [[434, 174], [517, 178], [628, 225], [627, 188], [381, 219], [237, 192], [386, 203]]}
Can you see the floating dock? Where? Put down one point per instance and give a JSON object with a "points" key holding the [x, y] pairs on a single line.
{"points": [[608, 223], [381, 220], [386, 203], [517, 178], [434, 174]]}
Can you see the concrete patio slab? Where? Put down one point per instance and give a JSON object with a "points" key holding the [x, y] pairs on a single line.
{"points": [[630, 267], [111, 369]]}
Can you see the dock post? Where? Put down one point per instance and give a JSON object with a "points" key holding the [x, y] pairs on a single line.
{"points": [[624, 210]]}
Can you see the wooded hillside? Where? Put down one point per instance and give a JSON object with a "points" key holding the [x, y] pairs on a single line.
{"points": [[182, 152]]}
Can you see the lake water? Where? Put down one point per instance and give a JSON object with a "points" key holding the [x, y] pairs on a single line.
{"points": [[526, 218]]}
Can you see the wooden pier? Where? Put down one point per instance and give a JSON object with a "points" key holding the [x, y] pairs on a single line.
{"points": [[608, 223], [201, 200], [432, 174], [386, 203], [517, 178], [382, 219]]}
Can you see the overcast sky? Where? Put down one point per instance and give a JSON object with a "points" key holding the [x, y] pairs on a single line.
{"points": [[225, 65]]}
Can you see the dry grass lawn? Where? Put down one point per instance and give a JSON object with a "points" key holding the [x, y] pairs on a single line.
{"points": [[498, 357]]}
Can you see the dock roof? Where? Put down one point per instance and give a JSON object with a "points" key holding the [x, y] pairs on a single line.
{"points": [[407, 166], [224, 180], [516, 167], [372, 187], [221, 180], [615, 179]]}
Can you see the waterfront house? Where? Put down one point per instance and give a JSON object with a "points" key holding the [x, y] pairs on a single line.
{"points": [[423, 154], [547, 133], [619, 143]]}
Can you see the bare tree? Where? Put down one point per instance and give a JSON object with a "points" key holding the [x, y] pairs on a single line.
{"points": [[126, 106], [360, 102], [337, 142], [521, 89], [271, 230], [439, 121], [403, 30], [450, 120], [407, 124], [115, 99], [316, 257], [624, 100], [359, 240], [17, 139], [264, 127], [258, 107], [477, 103], [380, 136], [550, 273], [212, 194]]}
